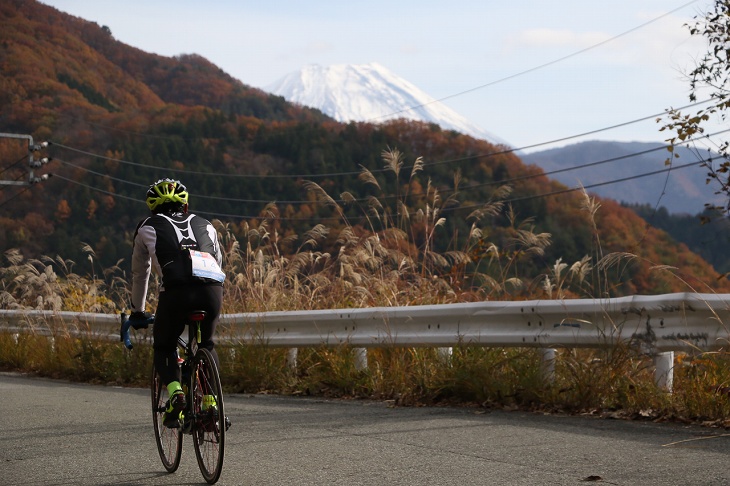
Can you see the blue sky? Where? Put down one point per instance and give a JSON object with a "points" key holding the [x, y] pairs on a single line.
{"points": [[528, 71]]}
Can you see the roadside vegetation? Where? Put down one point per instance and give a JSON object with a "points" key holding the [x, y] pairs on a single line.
{"points": [[391, 259]]}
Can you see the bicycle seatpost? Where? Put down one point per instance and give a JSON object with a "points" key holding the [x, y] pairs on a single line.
{"points": [[197, 317]]}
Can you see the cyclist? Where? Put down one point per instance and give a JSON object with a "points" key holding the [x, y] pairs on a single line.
{"points": [[183, 249]]}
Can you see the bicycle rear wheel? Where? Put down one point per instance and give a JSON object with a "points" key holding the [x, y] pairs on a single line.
{"points": [[169, 441], [209, 428]]}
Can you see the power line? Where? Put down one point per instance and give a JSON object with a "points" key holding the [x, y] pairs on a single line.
{"points": [[14, 195], [101, 174], [570, 137], [13, 164], [603, 161], [474, 186], [202, 173], [362, 200], [197, 196], [541, 66], [455, 208], [96, 189], [589, 186], [506, 181], [139, 200]]}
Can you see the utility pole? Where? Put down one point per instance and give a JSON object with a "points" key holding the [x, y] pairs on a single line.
{"points": [[32, 162]]}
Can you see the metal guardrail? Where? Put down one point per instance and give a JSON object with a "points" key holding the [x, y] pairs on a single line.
{"points": [[658, 324], [670, 322]]}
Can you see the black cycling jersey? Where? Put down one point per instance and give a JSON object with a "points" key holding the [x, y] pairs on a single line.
{"points": [[163, 242]]}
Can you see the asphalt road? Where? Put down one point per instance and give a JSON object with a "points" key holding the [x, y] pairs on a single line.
{"points": [[58, 433]]}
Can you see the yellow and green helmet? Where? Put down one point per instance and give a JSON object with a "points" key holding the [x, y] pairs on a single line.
{"points": [[166, 191]]}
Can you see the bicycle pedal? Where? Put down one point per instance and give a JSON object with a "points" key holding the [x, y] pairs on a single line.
{"points": [[173, 422]]}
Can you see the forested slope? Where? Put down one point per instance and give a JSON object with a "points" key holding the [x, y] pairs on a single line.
{"points": [[119, 118]]}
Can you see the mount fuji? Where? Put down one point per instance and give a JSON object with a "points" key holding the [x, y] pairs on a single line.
{"points": [[369, 93]]}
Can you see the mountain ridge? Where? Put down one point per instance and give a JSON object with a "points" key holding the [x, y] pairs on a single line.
{"points": [[681, 189]]}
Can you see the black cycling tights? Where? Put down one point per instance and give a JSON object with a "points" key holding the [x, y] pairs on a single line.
{"points": [[171, 316]]}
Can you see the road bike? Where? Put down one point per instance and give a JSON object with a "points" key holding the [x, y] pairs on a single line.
{"points": [[204, 417]]}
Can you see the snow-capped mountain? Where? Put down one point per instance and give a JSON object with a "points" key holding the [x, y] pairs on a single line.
{"points": [[369, 93]]}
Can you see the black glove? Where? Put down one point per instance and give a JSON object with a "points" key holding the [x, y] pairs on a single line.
{"points": [[139, 319]]}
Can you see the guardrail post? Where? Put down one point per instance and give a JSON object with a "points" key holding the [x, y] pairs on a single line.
{"points": [[291, 358], [547, 364], [445, 354], [361, 358], [664, 372]]}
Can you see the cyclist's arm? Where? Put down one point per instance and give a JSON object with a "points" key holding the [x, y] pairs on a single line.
{"points": [[217, 253], [141, 267]]}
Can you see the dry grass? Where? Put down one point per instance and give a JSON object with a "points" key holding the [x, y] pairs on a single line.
{"points": [[390, 260]]}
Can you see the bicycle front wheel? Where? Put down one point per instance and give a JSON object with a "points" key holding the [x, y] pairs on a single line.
{"points": [[169, 441], [209, 428]]}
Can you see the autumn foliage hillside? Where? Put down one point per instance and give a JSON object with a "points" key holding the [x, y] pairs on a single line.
{"points": [[119, 118]]}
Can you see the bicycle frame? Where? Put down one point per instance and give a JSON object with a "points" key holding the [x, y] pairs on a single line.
{"points": [[189, 349]]}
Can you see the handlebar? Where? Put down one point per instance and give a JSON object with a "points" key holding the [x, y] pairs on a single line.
{"points": [[127, 323]]}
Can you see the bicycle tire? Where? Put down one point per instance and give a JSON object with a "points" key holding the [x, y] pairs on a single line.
{"points": [[209, 427], [169, 441]]}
